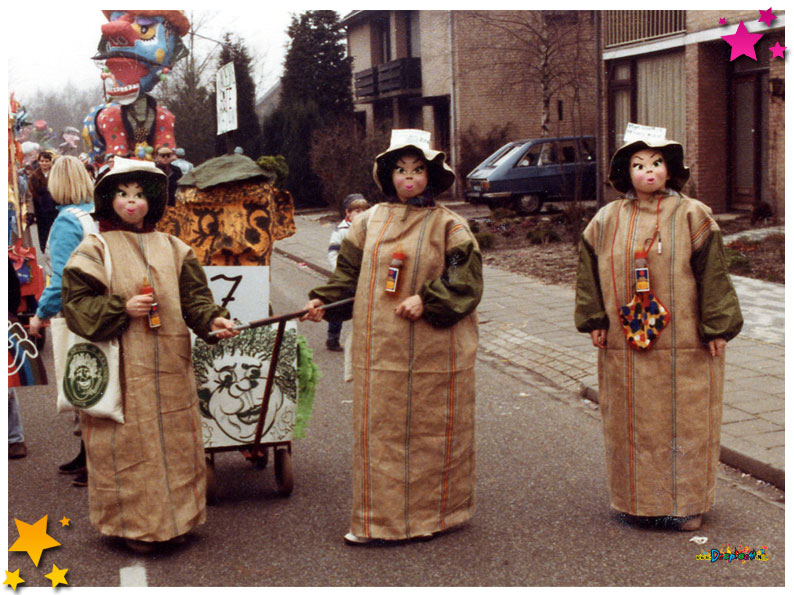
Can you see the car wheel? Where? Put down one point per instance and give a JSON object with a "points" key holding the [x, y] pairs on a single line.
{"points": [[528, 204]]}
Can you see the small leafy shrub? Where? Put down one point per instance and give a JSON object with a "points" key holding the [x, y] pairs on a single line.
{"points": [[761, 213], [485, 239], [737, 263], [502, 213], [277, 165], [575, 216], [542, 236]]}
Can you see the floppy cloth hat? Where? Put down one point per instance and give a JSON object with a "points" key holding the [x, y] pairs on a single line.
{"points": [[440, 175], [146, 173], [673, 153]]}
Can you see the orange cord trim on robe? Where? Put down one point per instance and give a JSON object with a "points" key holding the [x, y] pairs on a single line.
{"points": [[711, 425], [450, 427], [199, 452], [365, 404], [455, 228], [704, 227]]}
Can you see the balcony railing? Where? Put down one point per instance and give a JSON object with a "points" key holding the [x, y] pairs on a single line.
{"points": [[367, 83], [622, 27], [389, 79]]}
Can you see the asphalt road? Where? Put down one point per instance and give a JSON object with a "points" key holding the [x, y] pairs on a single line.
{"points": [[542, 516]]}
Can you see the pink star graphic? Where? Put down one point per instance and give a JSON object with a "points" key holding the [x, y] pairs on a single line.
{"points": [[722, 21], [777, 50], [742, 42], [767, 17]]}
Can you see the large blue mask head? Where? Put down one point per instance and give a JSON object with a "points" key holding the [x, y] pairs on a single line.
{"points": [[138, 47]]}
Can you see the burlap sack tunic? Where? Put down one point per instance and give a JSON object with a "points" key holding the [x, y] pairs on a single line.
{"points": [[146, 477], [661, 408], [413, 383]]}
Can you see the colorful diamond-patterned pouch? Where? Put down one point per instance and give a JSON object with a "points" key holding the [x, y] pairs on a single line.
{"points": [[643, 318]]}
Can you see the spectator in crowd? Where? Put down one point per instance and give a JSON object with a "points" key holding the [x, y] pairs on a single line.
{"points": [[164, 157], [43, 206]]}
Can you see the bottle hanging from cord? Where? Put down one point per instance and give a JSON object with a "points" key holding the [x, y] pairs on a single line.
{"points": [[154, 313], [642, 280], [393, 276]]}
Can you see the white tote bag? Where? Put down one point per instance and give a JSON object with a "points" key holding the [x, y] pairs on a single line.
{"points": [[87, 372]]}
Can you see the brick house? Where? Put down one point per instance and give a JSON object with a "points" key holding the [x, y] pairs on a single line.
{"points": [[673, 69], [462, 72], [453, 72]]}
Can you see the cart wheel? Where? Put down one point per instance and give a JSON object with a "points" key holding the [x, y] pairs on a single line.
{"points": [[212, 483], [283, 468]]}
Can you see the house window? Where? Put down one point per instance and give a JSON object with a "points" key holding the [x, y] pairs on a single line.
{"points": [[621, 91], [648, 90], [412, 32], [382, 40]]}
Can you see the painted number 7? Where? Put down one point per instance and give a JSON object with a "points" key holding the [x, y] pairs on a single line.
{"points": [[235, 282]]}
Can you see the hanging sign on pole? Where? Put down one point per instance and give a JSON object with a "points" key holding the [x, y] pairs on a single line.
{"points": [[226, 98]]}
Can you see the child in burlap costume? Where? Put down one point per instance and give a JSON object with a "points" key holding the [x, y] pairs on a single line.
{"points": [[413, 350], [661, 391], [147, 475]]}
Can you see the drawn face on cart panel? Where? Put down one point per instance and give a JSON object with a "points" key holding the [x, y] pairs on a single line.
{"points": [[238, 383]]}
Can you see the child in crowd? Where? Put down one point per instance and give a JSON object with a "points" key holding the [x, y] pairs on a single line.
{"points": [[147, 475], [354, 205]]}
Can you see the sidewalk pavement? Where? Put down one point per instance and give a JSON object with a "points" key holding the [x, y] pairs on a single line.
{"points": [[530, 324]]}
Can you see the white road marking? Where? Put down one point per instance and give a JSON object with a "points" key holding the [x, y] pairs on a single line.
{"points": [[133, 576]]}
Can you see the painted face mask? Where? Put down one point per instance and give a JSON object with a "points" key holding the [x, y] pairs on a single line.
{"points": [[137, 50]]}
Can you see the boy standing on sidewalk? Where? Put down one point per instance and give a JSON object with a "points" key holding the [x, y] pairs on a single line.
{"points": [[354, 204]]}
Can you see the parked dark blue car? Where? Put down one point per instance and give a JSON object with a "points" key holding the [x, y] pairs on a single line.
{"points": [[524, 174]]}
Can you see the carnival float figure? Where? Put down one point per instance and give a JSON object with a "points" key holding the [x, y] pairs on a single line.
{"points": [[138, 48]]}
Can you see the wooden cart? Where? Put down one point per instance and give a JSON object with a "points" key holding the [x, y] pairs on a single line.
{"points": [[257, 451]]}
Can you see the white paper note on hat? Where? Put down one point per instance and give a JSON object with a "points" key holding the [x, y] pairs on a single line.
{"points": [[650, 134], [408, 136]]}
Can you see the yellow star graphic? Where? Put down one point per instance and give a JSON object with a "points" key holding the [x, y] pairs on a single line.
{"points": [[13, 579], [64, 522], [57, 576], [33, 539]]}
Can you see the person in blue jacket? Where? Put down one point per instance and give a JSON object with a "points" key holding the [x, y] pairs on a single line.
{"points": [[72, 188]]}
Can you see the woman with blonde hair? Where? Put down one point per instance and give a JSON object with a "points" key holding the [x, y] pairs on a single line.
{"points": [[72, 188]]}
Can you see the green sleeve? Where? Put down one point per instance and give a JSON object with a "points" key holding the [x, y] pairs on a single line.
{"points": [[589, 311], [88, 311], [342, 283], [720, 313], [457, 292], [195, 298]]}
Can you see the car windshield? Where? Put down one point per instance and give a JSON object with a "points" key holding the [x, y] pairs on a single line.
{"points": [[503, 155]]}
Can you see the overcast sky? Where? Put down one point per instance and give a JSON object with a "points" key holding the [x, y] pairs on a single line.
{"points": [[50, 45]]}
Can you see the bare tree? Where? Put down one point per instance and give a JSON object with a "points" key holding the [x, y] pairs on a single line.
{"points": [[189, 91], [535, 51], [67, 106], [342, 154]]}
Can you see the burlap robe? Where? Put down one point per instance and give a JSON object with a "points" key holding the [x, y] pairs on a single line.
{"points": [[661, 408], [413, 404], [146, 477]]}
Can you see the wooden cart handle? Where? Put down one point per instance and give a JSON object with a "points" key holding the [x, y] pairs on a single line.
{"points": [[283, 317]]}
